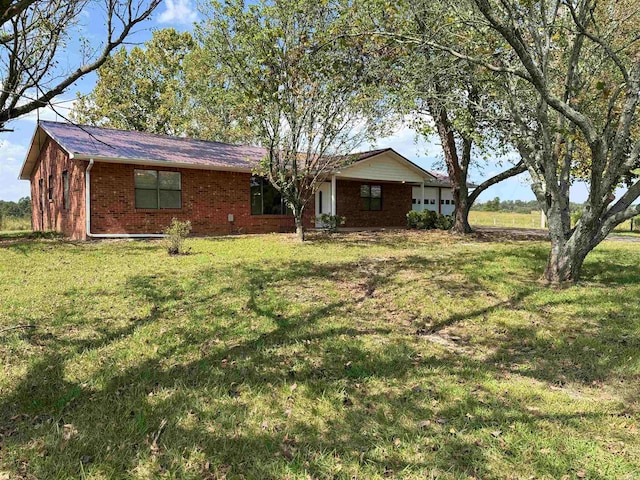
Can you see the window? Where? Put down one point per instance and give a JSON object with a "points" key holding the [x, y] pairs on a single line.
{"points": [[441, 202], [371, 197], [320, 202], [65, 190], [158, 189], [446, 202], [432, 201], [41, 188], [266, 199], [50, 189]]}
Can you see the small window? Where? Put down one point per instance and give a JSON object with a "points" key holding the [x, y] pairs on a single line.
{"points": [[65, 190], [41, 188], [446, 202], [50, 189], [441, 202], [158, 189], [371, 197], [432, 201]]}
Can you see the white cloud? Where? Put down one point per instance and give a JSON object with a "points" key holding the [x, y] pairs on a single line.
{"points": [[178, 11]]}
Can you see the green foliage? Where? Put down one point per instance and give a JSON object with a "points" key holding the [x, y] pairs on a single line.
{"points": [[176, 233], [143, 88], [168, 86], [331, 223], [15, 215], [19, 209], [312, 93], [429, 220]]}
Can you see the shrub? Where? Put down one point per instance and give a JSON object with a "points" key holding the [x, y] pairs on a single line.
{"points": [[428, 220], [176, 233], [330, 223], [444, 222]]}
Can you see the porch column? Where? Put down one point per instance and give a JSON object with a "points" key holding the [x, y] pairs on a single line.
{"points": [[422, 186], [333, 194]]}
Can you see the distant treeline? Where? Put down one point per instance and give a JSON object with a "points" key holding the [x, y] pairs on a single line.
{"points": [[515, 206], [19, 209]]}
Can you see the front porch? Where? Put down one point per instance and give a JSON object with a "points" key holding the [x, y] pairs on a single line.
{"points": [[379, 191]]}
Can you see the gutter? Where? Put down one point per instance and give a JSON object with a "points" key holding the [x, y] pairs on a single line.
{"points": [[87, 213]]}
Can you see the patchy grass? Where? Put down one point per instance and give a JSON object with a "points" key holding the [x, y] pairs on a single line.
{"points": [[389, 355]]}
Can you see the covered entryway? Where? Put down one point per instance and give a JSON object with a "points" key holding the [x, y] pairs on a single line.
{"points": [[323, 202]]}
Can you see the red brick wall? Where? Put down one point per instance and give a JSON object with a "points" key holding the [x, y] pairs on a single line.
{"points": [[208, 197], [396, 203], [53, 216]]}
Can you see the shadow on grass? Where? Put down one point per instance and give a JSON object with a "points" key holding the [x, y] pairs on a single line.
{"points": [[218, 396]]}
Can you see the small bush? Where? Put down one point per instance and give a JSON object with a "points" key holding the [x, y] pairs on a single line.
{"points": [[428, 220], [330, 223], [176, 234]]}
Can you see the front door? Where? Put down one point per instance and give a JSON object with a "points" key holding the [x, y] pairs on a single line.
{"points": [[323, 202]]}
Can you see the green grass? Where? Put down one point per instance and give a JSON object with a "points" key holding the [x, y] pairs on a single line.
{"points": [[11, 224], [387, 355], [505, 219]]}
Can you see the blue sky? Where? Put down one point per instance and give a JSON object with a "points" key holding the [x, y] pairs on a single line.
{"points": [[182, 14]]}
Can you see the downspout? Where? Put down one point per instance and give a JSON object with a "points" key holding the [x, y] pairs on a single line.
{"points": [[87, 213]]}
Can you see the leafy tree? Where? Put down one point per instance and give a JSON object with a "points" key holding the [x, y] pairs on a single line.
{"points": [[571, 74], [309, 98], [142, 89], [564, 50], [461, 104], [34, 36], [166, 86]]}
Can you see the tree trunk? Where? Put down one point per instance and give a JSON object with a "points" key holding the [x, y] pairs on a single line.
{"points": [[299, 226], [461, 214], [564, 264], [568, 248]]}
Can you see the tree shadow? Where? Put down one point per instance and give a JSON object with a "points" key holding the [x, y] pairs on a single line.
{"points": [[251, 380]]}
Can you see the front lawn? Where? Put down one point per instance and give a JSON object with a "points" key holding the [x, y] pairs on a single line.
{"points": [[388, 355]]}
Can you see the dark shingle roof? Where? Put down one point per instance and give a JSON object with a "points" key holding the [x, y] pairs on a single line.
{"points": [[87, 142]]}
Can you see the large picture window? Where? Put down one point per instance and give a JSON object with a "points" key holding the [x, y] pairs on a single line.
{"points": [[371, 197], [158, 189], [265, 199]]}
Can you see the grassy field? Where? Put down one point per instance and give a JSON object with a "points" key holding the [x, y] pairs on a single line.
{"points": [[505, 219], [370, 356], [530, 220], [12, 224]]}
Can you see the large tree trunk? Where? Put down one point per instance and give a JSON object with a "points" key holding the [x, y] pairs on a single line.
{"points": [[564, 264], [568, 247], [461, 213]]}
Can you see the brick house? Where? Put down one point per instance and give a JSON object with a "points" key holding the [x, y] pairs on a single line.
{"points": [[91, 182]]}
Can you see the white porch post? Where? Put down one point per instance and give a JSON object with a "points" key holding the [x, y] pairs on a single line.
{"points": [[422, 203], [333, 194]]}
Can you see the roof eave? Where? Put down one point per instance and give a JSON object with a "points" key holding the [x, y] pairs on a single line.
{"points": [[158, 163]]}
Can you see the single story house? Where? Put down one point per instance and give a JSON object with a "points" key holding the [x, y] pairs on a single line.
{"points": [[97, 182]]}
